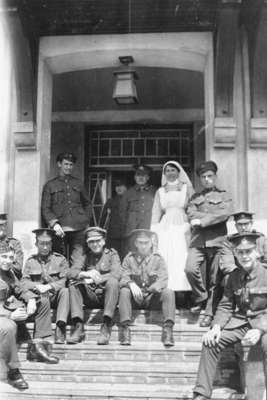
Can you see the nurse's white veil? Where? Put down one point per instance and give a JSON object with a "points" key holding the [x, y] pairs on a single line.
{"points": [[183, 177]]}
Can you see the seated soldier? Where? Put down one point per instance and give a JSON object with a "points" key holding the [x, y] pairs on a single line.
{"points": [[94, 282], [45, 273], [13, 244], [9, 286], [144, 284], [241, 314]]}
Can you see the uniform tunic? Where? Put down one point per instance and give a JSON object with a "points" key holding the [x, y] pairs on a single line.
{"points": [[137, 208], [105, 293], [65, 200], [151, 275], [50, 270], [243, 307]]}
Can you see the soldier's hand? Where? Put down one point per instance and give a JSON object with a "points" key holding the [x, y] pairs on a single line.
{"points": [[195, 222], [31, 306], [95, 275], [59, 231], [251, 337], [136, 292], [42, 288], [212, 337], [20, 314]]}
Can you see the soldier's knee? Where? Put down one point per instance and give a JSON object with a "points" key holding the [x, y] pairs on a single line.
{"points": [[125, 293], [112, 283], [8, 327]]}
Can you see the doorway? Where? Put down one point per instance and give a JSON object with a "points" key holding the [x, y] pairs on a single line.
{"points": [[112, 152]]}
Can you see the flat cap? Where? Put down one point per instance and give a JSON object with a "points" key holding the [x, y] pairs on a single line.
{"points": [[243, 216], [244, 241], [3, 218], [142, 233], [142, 169], [44, 233], [94, 233], [207, 166]]}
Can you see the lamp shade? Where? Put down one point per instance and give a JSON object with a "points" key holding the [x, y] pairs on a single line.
{"points": [[125, 89]]}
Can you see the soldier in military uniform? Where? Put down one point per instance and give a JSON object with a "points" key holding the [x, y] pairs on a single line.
{"points": [[144, 284], [65, 206], [45, 273], [13, 244], [243, 223], [94, 282], [241, 314], [138, 203], [207, 212], [112, 218]]}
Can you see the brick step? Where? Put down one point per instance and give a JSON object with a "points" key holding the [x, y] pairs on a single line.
{"points": [[145, 372], [105, 391]]}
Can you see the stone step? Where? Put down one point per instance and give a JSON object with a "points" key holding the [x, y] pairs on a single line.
{"points": [[105, 391], [144, 332], [138, 351], [144, 372]]}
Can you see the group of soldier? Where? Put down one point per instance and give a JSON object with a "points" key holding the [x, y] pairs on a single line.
{"points": [[92, 274]]}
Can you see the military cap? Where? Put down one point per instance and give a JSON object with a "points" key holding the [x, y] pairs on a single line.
{"points": [[44, 233], [142, 233], [94, 233], [142, 169], [3, 218], [66, 156], [3, 290], [4, 247], [207, 166], [244, 241], [243, 216]]}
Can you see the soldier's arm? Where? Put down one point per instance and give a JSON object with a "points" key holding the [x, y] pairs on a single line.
{"points": [[126, 272], [221, 215], [115, 271], [192, 210], [162, 276], [226, 258], [156, 210], [46, 207], [26, 281], [61, 282], [23, 289], [225, 307]]}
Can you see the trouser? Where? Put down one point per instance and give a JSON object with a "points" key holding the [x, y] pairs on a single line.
{"points": [[165, 299], [72, 241], [61, 302], [82, 294], [42, 316], [203, 290], [210, 356], [8, 344]]}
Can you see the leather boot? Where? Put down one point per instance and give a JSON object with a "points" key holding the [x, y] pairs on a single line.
{"points": [[125, 338], [60, 334], [167, 336], [16, 379], [39, 353], [104, 335], [77, 335]]}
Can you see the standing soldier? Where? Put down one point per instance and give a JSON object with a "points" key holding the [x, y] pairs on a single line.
{"points": [[138, 203], [45, 274], [94, 281], [207, 212], [144, 284], [13, 244], [65, 205], [111, 218], [241, 313]]}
